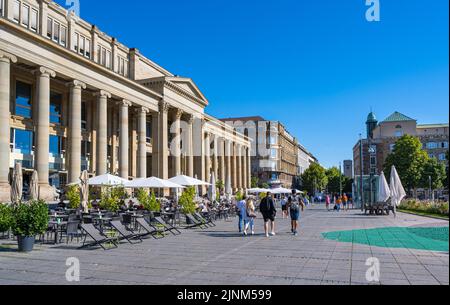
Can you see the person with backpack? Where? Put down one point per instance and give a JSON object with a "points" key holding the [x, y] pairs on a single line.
{"points": [[294, 207], [268, 211]]}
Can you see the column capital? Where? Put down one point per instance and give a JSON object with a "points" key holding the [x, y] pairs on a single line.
{"points": [[124, 103], [178, 113], [142, 109], [76, 84], [190, 118], [164, 106], [45, 72], [7, 57], [103, 93]]}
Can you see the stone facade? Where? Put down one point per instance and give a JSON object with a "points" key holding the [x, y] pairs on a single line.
{"points": [[73, 98]]}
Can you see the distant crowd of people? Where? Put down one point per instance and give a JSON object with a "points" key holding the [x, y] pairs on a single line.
{"points": [[339, 202]]}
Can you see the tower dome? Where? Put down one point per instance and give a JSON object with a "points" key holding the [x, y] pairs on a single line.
{"points": [[371, 124]]}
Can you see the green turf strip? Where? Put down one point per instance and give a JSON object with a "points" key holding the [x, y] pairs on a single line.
{"points": [[433, 239]]}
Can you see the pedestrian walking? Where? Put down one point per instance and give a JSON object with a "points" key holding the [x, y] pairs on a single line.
{"points": [[327, 202], [241, 210], [345, 202], [250, 217], [294, 208], [268, 211]]}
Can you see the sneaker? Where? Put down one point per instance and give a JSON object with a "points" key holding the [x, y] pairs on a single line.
{"points": [[245, 233], [253, 232], [272, 233], [267, 235], [295, 233]]}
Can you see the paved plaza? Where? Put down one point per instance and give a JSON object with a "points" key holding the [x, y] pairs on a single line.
{"points": [[221, 256]]}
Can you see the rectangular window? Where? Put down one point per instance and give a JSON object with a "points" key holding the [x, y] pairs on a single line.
{"points": [[49, 28], [55, 146], [88, 48], [55, 108], [103, 61], [83, 115], [442, 157], [431, 156], [76, 38], [149, 132], [56, 29], [444, 144], [108, 59], [373, 160], [82, 44], [34, 20], [16, 12], [432, 145], [23, 100], [23, 141], [63, 35], [25, 15], [1, 8], [126, 68]]}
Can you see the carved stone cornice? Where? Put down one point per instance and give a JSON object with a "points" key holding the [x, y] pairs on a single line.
{"points": [[141, 110]]}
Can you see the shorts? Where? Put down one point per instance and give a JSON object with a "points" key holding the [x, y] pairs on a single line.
{"points": [[268, 218], [284, 208], [295, 215]]}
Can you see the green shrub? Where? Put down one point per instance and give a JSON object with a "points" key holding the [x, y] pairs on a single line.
{"points": [[74, 196], [5, 217], [109, 201], [30, 219], [148, 201], [186, 201], [440, 208]]}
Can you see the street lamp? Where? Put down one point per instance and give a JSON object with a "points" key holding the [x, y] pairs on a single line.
{"points": [[431, 188], [340, 179], [361, 171]]}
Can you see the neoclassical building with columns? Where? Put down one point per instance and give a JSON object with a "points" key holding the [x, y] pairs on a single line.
{"points": [[73, 98]]}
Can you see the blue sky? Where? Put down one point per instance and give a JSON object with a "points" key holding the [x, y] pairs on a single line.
{"points": [[317, 66]]}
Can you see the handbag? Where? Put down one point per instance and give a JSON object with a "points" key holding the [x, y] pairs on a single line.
{"points": [[251, 214]]}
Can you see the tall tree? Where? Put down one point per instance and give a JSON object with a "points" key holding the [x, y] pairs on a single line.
{"points": [[335, 180], [314, 178], [409, 158], [432, 168]]}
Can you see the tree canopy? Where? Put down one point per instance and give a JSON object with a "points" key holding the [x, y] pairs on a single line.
{"points": [[314, 178]]}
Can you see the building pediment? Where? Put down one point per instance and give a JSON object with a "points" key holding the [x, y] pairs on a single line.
{"points": [[182, 85]]}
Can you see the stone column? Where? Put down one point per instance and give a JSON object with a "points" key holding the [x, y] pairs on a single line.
{"points": [[249, 168], [207, 156], [188, 146], [222, 160], [102, 132], [176, 149], [5, 88], [142, 142], [228, 165], [75, 136], [239, 166], [43, 132], [163, 141], [234, 181], [244, 167], [155, 144], [215, 158], [124, 143]]}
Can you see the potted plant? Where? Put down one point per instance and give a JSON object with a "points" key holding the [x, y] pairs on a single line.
{"points": [[29, 220], [149, 202], [73, 195], [186, 201]]}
